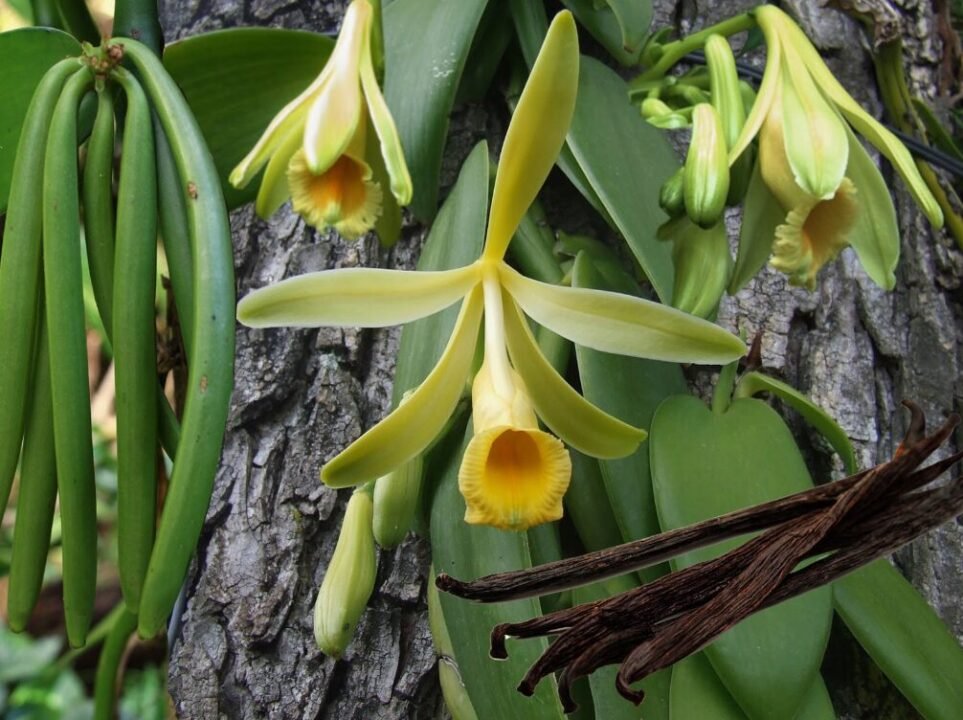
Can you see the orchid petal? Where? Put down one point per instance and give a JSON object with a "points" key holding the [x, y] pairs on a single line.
{"points": [[535, 134], [622, 324], [355, 297], [274, 188], [384, 125], [413, 425], [868, 126], [768, 88], [334, 115], [569, 415], [814, 134]]}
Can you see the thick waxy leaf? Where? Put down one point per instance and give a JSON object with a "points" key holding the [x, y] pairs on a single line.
{"points": [[25, 55], [455, 240], [761, 215], [697, 692], [625, 161], [706, 464], [620, 25], [875, 236], [621, 323], [752, 383], [355, 297], [426, 44], [904, 637], [470, 551], [268, 68], [630, 389]]}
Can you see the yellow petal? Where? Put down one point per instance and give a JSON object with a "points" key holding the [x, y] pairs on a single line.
{"points": [[814, 234], [884, 140], [343, 196], [335, 114], [514, 478], [290, 120], [817, 146], [355, 297], [535, 133], [622, 324], [384, 125], [274, 188], [413, 425], [569, 415]]}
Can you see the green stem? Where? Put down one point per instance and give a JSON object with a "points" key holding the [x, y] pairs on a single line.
{"points": [[105, 683], [138, 19], [76, 19], [722, 395], [675, 51]]}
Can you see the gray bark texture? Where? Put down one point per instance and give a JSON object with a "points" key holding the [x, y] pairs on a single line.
{"points": [[245, 648]]}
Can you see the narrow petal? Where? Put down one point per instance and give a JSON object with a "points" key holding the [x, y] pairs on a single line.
{"points": [[536, 132], [884, 140], [355, 297], [336, 112], [514, 478], [814, 134], [290, 119], [768, 88], [410, 429], [384, 125], [569, 415], [274, 188], [622, 324]]}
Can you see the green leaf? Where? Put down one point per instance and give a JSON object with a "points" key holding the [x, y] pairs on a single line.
{"points": [[817, 704], [25, 55], [697, 692], [625, 161], [630, 389], [24, 9], [467, 552], [875, 234], [706, 464], [620, 25], [903, 635], [266, 68], [754, 383], [426, 45], [760, 217]]}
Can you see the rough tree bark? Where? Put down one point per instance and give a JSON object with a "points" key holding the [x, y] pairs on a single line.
{"points": [[245, 649]]}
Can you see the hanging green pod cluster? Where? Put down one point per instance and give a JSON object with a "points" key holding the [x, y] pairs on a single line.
{"points": [[44, 397]]}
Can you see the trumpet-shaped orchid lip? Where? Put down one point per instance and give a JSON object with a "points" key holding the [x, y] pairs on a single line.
{"points": [[535, 134], [622, 324], [814, 234], [412, 426], [814, 135], [334, 116], [343, 196], [384, 125], [355, 297], [513, 478], [567, 414]]}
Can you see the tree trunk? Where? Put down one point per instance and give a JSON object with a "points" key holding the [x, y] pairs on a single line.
{"points": [[244, 647]]}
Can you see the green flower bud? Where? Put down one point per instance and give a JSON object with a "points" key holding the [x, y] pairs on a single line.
{"points": [[706, 176], [702, 265], [395, 502], [349, 580], [657, 113], [452, 687], [671, 196]]}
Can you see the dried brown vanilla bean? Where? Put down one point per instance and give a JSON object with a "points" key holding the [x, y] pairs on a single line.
{"points": [[855, 520]]}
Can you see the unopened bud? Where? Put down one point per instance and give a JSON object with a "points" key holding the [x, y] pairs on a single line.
{"points": [[396, 501], [702, 266], [657, 113], [706, 176], [349, 580], [671, 195]]}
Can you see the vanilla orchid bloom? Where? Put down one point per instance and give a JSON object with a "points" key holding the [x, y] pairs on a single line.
{"points": [[808, 153], [318, 148], [513, 474]]}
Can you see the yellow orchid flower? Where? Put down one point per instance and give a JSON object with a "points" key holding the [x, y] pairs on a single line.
{"points": [[318, 148], [810, 159], [513, 474]]}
